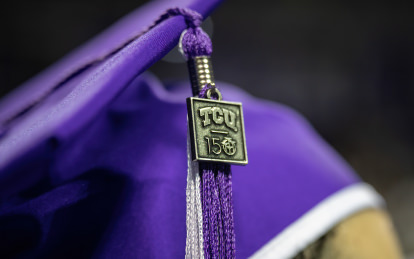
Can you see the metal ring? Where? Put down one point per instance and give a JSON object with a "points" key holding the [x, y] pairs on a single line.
{"points": [[216, 91]]}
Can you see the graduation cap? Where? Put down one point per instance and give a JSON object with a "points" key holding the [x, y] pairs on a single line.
{"points": [[93, 157]]}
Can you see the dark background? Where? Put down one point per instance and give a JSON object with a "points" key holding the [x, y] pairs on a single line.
{"points": [[348, 67]]}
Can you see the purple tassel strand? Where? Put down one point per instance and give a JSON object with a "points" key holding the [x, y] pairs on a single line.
{"points": [[216, 197], [218, 224]]}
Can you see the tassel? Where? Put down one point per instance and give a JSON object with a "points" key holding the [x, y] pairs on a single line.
{"points": [[217, 235]]}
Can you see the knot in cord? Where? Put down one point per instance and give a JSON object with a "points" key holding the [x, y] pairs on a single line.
{"points": [[194, 41]]}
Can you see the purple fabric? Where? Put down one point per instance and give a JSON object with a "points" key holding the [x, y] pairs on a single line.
{"points": [[196, 35], [130, 162], [97, 50], [98, 169], [98, 84]]}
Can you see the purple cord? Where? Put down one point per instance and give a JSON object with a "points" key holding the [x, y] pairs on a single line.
{"points": [[230, 221], [192, 18], [218, 226], [206, 206], [227, 210], [214, 210], [222, 214]]}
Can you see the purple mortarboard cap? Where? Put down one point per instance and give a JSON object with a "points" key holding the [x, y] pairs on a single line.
{"points": [[93, 158]]}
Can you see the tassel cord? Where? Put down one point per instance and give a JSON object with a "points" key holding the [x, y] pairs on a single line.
{"points": [[215, 178]]}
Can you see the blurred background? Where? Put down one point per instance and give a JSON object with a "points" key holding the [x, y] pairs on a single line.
{"points": [[347, 67]]}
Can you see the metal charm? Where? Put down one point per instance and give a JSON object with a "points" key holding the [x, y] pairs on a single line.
{"points": [[217, 130]]}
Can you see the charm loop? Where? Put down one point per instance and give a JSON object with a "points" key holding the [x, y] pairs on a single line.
{"points": [[215, 91]]}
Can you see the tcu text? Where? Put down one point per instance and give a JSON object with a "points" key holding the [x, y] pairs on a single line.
{"points": [[218, 116]]}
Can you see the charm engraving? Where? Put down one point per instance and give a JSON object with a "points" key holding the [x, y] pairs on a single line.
{"points": [[217, 116], [217, 131], [229, 146]]}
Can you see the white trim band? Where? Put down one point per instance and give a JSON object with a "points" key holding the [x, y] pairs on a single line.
{"points": [[319, 220]]}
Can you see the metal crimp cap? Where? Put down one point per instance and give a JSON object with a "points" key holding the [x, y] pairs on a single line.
{"points": [[201, 73]]}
